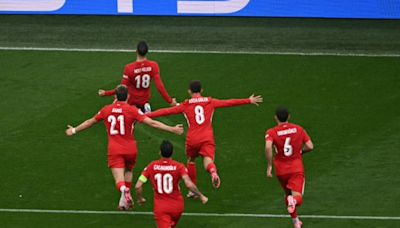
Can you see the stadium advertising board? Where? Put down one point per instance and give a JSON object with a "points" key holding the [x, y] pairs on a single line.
{"points": [[374, 9]]}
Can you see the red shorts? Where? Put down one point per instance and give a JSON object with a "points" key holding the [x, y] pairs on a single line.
{"points": [[168, 217], [127, 161], [292, 182], [205, 149]]}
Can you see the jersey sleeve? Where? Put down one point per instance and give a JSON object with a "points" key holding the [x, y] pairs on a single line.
{"points": [[229, 103], [100, 115], [182, 170], [145, 175], [139, 116], [160, 85], [167, 111], [268, 135], [126, 76]]}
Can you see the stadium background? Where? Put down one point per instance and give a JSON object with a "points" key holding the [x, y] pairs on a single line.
{"points": [[346, 96]]}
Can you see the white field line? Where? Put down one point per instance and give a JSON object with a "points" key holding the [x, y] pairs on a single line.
{"points": [[345, 217], [204, 52]]}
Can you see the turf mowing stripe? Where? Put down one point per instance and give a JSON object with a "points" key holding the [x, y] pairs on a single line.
{"points": [[200, 52], [200, 214]]}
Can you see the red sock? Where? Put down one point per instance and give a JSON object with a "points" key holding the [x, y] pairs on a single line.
{"points": [[120, 184], [211, 168], [191, 166], [294, 214], [299, 200], [128, 184]]}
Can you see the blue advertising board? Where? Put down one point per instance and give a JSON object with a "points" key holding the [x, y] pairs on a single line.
{"points": [[372, 9]]}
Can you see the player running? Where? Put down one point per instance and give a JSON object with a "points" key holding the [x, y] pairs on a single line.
{"points": [[137, 77], [119, 118], [198, 111], [164, 175], [288, 140]]}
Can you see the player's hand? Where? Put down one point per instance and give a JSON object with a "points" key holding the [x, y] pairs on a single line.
{"points": [[256, 99], [203, 199], [101, 92], [269, 171], [178, 129], [141, 201], [173, 103], [69, 131]]}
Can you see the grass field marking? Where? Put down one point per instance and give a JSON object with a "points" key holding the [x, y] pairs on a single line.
{"points": [[242, 215], [200, 52]]}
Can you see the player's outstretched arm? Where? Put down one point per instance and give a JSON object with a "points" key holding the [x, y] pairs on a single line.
{"points": [[268, 155], [139, 191], [162, 91], [85, 125], [166, 111], [178, 129], [236, 102], [256, 100], [308, 146], [192, 187]]}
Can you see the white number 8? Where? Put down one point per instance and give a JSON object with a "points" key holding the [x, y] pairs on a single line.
{"points": [[199, 111]]}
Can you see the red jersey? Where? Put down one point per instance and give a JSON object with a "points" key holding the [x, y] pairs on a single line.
{"points": [[288, 140], [165, 175], [198, 112], [119, 118], [137, 77]]}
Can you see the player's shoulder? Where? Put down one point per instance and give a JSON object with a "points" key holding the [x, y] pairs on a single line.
{"points": [[298, 127]]}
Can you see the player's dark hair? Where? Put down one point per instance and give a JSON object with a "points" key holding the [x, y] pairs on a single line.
{"points": [[282, 114], [195, 86], [121, 92], [166, 149], [142, 48]]}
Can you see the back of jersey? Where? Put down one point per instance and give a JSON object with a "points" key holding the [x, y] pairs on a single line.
{"points": [[119, 118], [140, 75], [165, 175], [288, 140], [199, 113]]}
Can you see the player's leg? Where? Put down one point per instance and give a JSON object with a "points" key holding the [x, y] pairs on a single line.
{"points": [[117, 165], [295, 199], [130, 161], [208, 153], [163, 220], [191, 154]]}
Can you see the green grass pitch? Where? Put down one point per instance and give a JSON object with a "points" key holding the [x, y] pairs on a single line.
{"points": [[349, 105]]}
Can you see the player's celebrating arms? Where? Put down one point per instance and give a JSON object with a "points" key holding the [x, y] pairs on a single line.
{"points": [[198, 111], [119, 118], [164, 175], [137, 77], [290, 142]]}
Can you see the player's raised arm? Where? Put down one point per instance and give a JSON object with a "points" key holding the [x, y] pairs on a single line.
{"points": [[167, 111], [162, 91], [192, 187], [269, 156], [178, 129], [85, 125], [236, 102]]}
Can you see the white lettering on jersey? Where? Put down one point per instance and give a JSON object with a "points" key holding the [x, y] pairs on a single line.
{"points": [[143, 69], [198, 100], [287, 131], [116, 110], [164, 168]]}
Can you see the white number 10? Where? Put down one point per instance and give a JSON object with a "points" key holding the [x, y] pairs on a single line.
{"points": [[287, 149], [164, 183]]}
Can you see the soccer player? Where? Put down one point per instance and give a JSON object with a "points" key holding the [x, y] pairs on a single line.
{"points": [[198, 111], [290, 142], [164, 175], [137, 77], [119, 118]]}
